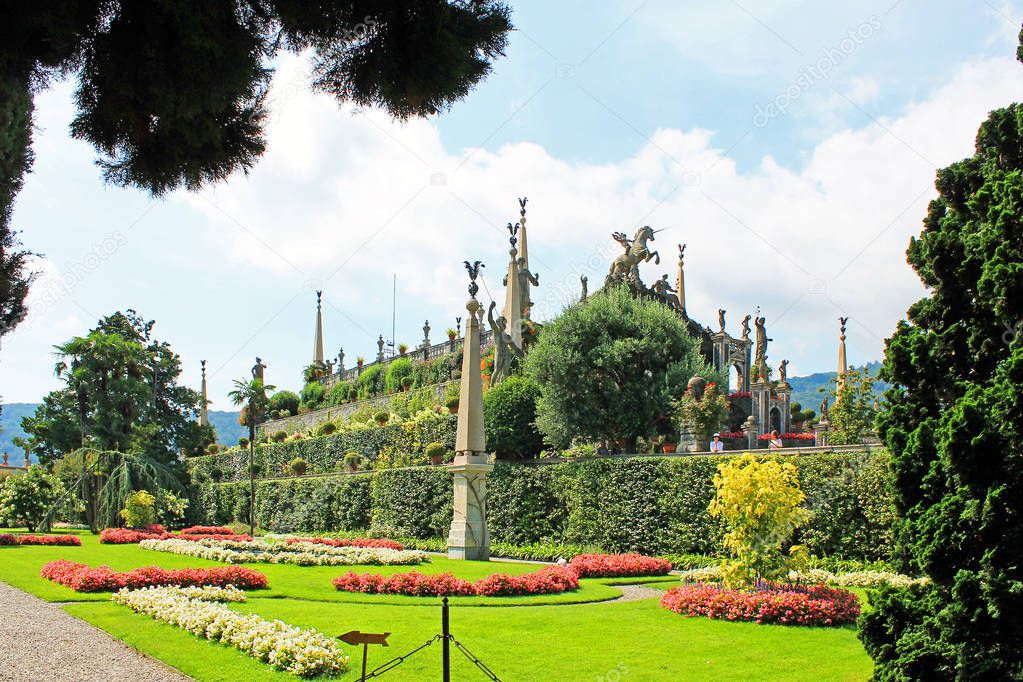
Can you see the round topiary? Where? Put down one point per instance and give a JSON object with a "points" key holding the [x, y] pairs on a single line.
{"points": [[327, 428], [509, 418], [436, 452], [243, 442], [216, 475], [285, 403], [212, 449], [298, 466], [381, 417], [279, 436]]}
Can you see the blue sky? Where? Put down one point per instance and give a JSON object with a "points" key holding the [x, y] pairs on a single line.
{"points": [[608, 116]]}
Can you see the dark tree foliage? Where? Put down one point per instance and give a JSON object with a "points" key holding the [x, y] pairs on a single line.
{"points": [[953, 420], [171, 93], [509, 418], [120, 394]]}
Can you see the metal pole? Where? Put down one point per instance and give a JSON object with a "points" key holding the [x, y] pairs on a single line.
{"points": [[365, 648], [446, 632]]}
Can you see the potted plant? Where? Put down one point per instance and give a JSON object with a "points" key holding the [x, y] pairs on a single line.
{"points": [[452, 404], [451, 334], [353, 460], [298, 466], [402, 348], [436, 452], [360, 361], [381, 418], [668, 445]]}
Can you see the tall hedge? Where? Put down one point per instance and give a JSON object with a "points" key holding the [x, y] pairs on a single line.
{"points": [[645, 504]]}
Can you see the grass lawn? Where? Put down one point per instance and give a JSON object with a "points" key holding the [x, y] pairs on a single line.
{"points": [[540, 638]]}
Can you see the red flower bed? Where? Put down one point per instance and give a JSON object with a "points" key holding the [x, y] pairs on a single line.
{"points": [[784, 605], [793, 435], [740, 394], [7, 540], [240, 537], [127, 536], [57, 540], [618, 565], [82, 578], [206, 530], [549, 580], [379, 543]]}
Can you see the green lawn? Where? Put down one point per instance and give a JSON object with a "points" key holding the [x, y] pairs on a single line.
{"points": [[528, 641]]}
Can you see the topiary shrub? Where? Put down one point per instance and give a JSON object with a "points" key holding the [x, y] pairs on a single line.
{"points": [[371, 382], [327, 428], [312, 395], [509, 418], [212, 449], [298, 466], [399, 373], [341, 393], [285, 403], [279, 436], [243, 442], [139, 510], [436, 452], [381, 417]]}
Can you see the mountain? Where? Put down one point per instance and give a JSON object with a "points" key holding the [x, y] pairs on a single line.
{"points": [[226, 424], [806, 390]]}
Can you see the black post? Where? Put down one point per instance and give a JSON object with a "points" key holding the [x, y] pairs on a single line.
{"points": [[446, 634], [365, 649]]}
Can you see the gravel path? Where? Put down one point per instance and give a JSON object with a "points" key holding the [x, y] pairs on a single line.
{"points": [[637, 592], [41, 641]]}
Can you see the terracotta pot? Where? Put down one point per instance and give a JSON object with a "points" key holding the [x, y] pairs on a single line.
{"points": [[353, 467], [668, 448], [453, 410], [436, 460]]}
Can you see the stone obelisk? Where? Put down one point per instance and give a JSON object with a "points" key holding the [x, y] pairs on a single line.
{"points": [[524, 255], [513, 293], [680, 283], [469, 538], [843, 366], [318, 336], [204, 415]]}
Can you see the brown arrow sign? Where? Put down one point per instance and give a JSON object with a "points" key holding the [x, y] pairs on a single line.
{"points": [[356, 637]]}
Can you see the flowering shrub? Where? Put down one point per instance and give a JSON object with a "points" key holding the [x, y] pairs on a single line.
{"points": [[769, 603], [58, 540], [353, 542], [618, 565], [737, 395], [82, 578], [792, 435], [206, 530], [125, 536], [300, 553], [549, 580], [817, 576], [731, 435], [305, 653], [7, 539]]}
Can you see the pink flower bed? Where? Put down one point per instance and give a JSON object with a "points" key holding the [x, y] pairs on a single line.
{"points": [[379, 543], [206, 530], [793, 435], [549, 580], [816, 605], [53, 540], [239, 537], [82, 578], [618, 565], [128, 536], [6, 540]]}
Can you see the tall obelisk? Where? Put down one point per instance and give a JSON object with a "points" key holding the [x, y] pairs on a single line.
{"points": [[512, 292], [843, 367], [204, 415], [318, 337]]}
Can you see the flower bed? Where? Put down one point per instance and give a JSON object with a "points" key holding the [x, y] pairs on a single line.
{"points": [[126, 536], [353, 542], [794, 435], [549, 580], [817, 576], [300, 553], [82, 578], [206, 530], [618, 565], [792, 605], [131, 536], [49, 540], [305, 653]]}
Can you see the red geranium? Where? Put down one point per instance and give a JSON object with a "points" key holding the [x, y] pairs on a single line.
{"points": [[379, 543], [58, 540], [784, 605], [206, 530], [549, 580], [82, 578], [618, 565]]}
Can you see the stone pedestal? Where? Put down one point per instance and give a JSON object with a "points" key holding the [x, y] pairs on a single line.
{"points": [[784, 392], [751, 431], [761, 391], [820, 433], [469, 538]]}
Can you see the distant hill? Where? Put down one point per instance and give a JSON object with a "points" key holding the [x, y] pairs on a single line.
{"points": [[806, 390], [226, 424]]}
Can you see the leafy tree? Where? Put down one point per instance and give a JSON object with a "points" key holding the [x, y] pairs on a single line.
{"points": [[173, 93], [139, 509], [609, 368], [760, 503], [703, 416], [953, 420], [509, 418], [312, 395], [284, 401], [852, 414], [29, 499], [120, 393]]}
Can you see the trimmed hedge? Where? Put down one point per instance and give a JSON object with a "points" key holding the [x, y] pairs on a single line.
{"points": [[651, 505], [399, 444]]}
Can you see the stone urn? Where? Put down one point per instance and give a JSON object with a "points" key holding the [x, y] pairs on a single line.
{"points": [[697, 386]]}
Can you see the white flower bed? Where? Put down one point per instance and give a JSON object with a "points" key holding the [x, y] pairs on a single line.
{"points": [[300, 553], [815, 576], [306, 653]]}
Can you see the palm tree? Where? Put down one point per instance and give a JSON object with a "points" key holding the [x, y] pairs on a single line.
{"points": [[252, 394]]}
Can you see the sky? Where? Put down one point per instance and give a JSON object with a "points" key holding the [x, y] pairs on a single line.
{"points": [[792, 146]]}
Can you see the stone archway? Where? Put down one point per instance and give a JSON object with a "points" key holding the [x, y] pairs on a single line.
{"points": [[776, 423]]}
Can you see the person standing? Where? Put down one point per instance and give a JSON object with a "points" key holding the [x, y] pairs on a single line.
{"points": [[716, 444], [775, 443]]}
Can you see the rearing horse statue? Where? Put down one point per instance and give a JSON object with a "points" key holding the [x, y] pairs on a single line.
{"points": [[626, 266]]}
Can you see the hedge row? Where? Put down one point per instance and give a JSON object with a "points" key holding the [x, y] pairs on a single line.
{"points": [[400, 444], [650, 505]]}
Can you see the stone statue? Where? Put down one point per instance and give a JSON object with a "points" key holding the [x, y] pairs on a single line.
{"points": [[824, 408], [525, 279], [341, 359], [257, 369], [380, 348], [6, 457], [663, 290], [426, 333], [474, 270], [877, 404], [626, 266], [745, 327], [330, 367], [760, 356], [721, 320], [584, 281], [504, 347], [783, 371]]}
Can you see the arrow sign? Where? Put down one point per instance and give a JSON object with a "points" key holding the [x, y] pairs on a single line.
{"points": [[356, 637]]}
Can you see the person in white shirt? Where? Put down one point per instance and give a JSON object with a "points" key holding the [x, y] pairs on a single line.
{"points": [[775, 443], [716, 444]]}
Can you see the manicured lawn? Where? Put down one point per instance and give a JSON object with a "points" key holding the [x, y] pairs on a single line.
{"points": [[638, 640]]}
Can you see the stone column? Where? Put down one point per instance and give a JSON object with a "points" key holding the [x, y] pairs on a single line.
{"points": [[820, 433], [513, 300], [318, 334], [750, 430], [784, 392], [761, 390], [469, 538], [721, 350], [843, 366], [204, 415]]}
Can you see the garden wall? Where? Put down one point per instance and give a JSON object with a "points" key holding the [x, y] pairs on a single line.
{"points": [[645, 504]]}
